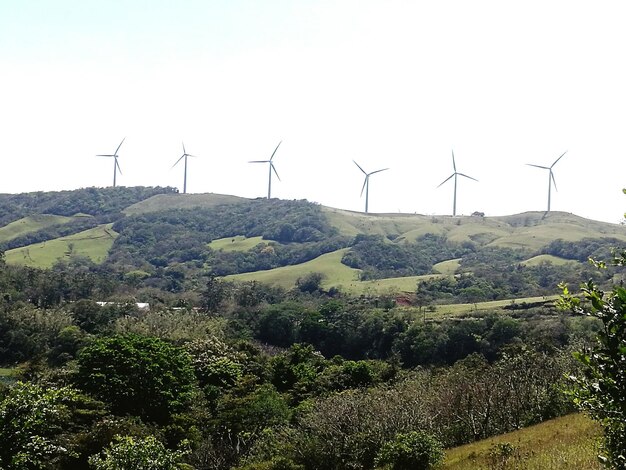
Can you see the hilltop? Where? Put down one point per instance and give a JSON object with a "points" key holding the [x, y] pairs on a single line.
{"points": [[145, 230]]}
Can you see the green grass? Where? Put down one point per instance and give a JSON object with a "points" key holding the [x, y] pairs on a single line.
{"points": [[328, 264], [4, 372], [555, 260], [463, 309], [529, 230], [162, 202], [335, 274], [566, 443], [238, 243], [448, 267], [30, 224], [93, 243]]}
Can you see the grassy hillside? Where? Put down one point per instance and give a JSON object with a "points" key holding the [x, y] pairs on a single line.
{"points": [[536, 260], [530, 230], [565, 443], [335, 274], [238, 243], [157, 228], [30, 224], [94, 244], [162, 202]]}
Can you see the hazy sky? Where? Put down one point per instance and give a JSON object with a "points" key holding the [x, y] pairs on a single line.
{"points": [[387, 83]]}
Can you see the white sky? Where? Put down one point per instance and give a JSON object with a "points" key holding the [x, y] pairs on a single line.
{"points": [[387, 83]]}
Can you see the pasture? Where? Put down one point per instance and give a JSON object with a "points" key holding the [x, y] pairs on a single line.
{"points": [[238, 243], [93, 243], [565, 443], [30, 224]]}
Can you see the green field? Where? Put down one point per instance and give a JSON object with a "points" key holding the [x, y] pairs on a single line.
{"points": [[529, 230], [329, 264], [555, 260], [566, 443], [162, 202], [238, 243], [30, 224], [335, 274], [448, 267], [462, 309], [93, 243]]}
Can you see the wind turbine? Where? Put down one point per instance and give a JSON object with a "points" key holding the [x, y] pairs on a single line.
{"points": [[455, 174], [366, 183], [271, 168], [551, 179], [116, 165], [184, 155]]}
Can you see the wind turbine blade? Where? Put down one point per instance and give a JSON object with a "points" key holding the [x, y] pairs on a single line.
{"points": [[538, 166], [461, 174], [259, 161], [184, 151], [118, 166], [446, 180], [453, 162], [275, 151], [378, 171], [194, 156], [556, 161], [363, 188], [360, 167], [105, 155], [178, 161], [118, 147], [553, 180], [275, 172]]}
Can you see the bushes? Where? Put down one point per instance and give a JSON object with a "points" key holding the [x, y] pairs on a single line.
{"points": [[137, 375], [416, 450], [127, 453]]}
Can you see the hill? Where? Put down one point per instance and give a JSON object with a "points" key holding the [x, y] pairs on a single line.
{"points": [[278, 242], [563, 443]]}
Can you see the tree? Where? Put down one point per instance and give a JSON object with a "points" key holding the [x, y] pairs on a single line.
{"points": [[147, 453], [137, 375], [216, 292], [412, 451], [601, 389], [31, 417]]}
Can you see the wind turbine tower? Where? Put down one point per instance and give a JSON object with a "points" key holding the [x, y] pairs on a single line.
{"points": [[184, 155], [116, 165], [366, 183], [271, 168], [551, 179], [454, 175]]}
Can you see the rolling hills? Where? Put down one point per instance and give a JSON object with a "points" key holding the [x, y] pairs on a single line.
{"points": [[277, 242]]}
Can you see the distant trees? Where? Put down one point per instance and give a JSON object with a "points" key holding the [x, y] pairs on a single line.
{"points": [[92, 201], [379, 258]]}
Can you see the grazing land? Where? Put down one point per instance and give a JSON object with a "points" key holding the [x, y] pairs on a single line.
{"points": [[30, 224], [94, 244], [565, 443], [161, 202], [237, 243]]}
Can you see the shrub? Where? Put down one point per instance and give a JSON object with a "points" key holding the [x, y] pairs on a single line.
{"points": [[416, 450]]}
